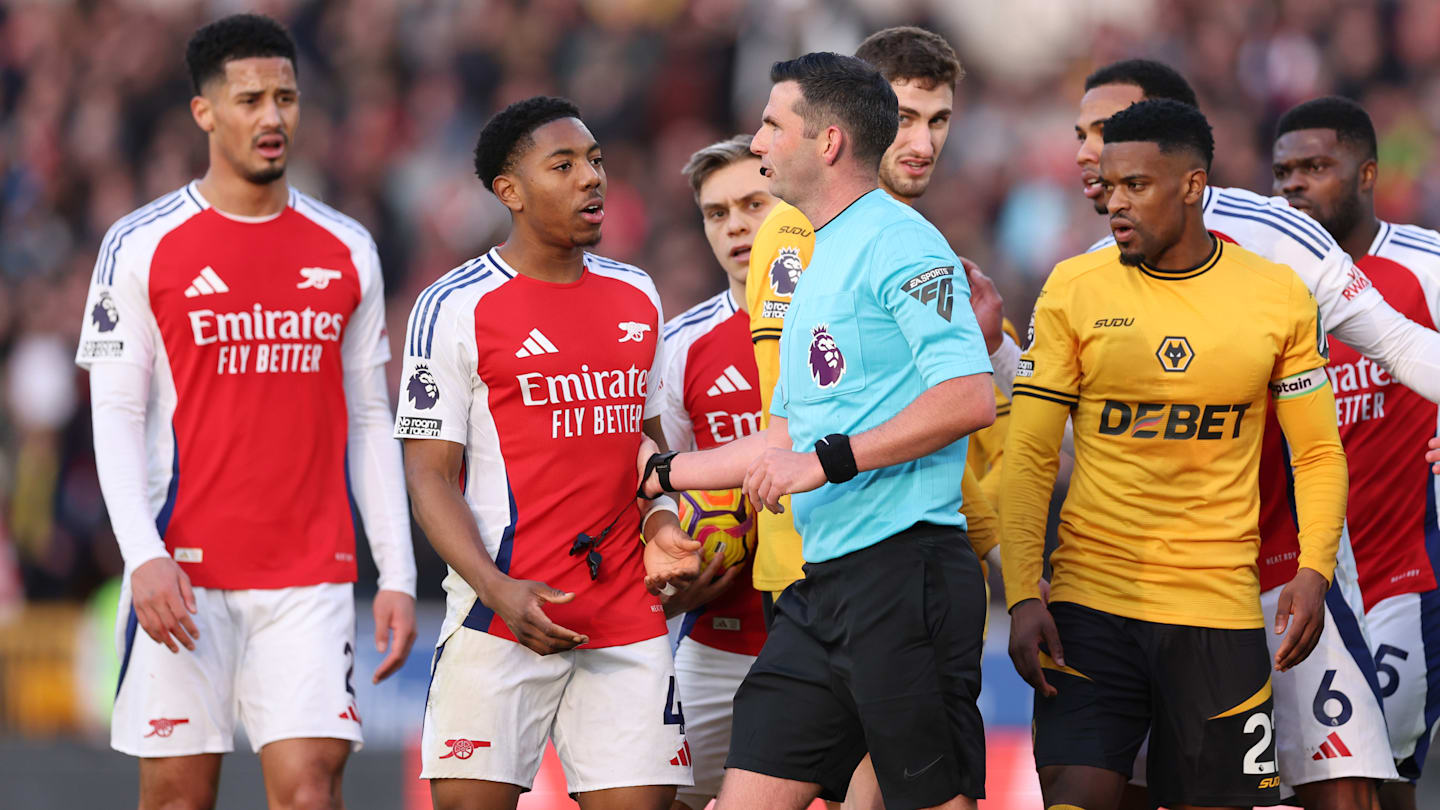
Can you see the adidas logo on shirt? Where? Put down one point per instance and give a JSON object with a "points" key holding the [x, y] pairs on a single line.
{"points": [[207, 283], [535, 344], [728, 383]]}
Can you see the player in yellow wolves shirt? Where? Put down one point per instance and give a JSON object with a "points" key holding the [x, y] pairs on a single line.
{"points": [[1161, 350], [923, 70]]}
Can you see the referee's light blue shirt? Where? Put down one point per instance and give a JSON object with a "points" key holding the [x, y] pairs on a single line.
{"points": [[881, 314]]}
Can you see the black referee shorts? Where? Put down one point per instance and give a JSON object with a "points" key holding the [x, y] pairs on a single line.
{"points": [[875, 651]]}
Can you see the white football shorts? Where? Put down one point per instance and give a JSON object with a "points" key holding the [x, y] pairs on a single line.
{"points": [[1328, 720], [1405, 634], [614, 714], [280, 661], [708, 680]]}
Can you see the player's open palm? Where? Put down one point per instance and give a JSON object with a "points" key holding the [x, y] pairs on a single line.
{"points": [[1300, 615], [520, 603], [164, 602], [1031, 625], [714, 580], [671, 558]]}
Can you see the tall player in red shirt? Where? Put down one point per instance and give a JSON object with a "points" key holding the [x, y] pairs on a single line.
{"points": [[235, 338], [530, 379], [1326, 165], [710, 398]]}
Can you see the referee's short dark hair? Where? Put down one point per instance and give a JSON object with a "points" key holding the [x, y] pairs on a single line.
{"points": [[507, 135], [1171, 125], [1351, 123], [239, 36], [848, 93], [1155, 79]]}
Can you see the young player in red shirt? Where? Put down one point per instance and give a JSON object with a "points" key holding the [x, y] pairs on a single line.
{"points": [[1326, 165], [531, 375], [235, 338]]}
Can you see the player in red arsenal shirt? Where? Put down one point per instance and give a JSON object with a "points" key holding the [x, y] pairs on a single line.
{"points": [[531, 375], [710, 397], [235, 339], [1325, 165]]}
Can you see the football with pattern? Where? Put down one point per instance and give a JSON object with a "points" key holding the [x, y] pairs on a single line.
{"points": [[722, 521]]}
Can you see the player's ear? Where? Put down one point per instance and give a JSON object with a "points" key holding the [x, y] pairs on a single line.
{"points": [[1368, 171], [1195, 186], [203, 113], [508, 192]]}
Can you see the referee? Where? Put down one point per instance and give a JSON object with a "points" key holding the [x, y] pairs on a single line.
{"points": [[883, 373]]}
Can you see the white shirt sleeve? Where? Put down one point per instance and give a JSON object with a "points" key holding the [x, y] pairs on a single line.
{"points": [[1351, 308], [674, 420], [1004, 362], [118, 325], [1407, 350], [655, 393], [377, 477], [118, 395], [366, 343], [118, 343], [437, 383]]}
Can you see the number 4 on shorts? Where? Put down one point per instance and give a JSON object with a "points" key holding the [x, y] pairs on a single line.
{"points": [[675, 716]]}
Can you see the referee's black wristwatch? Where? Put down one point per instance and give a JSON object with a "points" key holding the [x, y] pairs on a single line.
{"points": [[659, 464], [836, 458]]}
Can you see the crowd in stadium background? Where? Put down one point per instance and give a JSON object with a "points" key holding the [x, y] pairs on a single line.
{"points": [[94, 121]]}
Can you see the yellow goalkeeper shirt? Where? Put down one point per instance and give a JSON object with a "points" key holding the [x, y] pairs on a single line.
{"points": [[1167, 375]]}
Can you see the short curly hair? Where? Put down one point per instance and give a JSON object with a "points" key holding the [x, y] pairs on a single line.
{"points": [[507, 134], [1169, 124], [1351, 123], [239, 36]]}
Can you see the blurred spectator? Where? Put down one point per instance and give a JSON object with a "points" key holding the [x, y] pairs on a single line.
{"points": [[94, 122]]}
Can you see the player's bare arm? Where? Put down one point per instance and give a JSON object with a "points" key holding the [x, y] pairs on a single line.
{"points": [[1321, 483], [941, 415], [432, 467], [671, 557]]}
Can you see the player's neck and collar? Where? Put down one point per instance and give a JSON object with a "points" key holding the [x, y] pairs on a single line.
{"points": [[1364, 238], [228, 193], [531, 256], [1179, 262], [737, 293]]}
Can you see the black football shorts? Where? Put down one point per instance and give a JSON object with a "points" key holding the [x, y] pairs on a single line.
{"points": [[1202, 694]]}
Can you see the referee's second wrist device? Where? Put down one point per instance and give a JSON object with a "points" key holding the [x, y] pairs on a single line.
{"points": [[659, 464], [836, 458]]}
